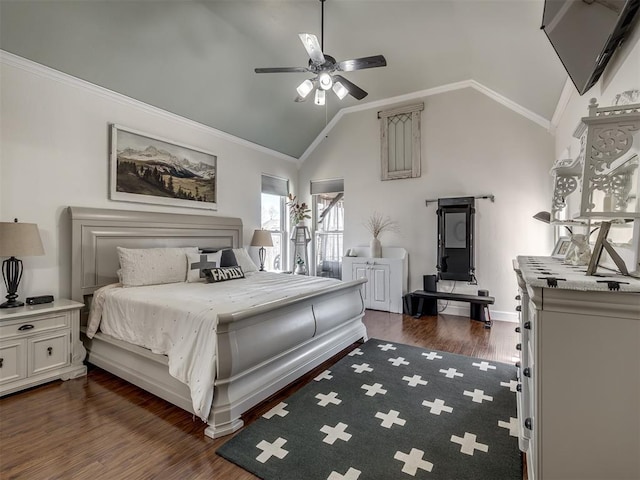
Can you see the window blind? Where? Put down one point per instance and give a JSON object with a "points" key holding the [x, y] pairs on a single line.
{"points": [[327, 186], [275, 185]]}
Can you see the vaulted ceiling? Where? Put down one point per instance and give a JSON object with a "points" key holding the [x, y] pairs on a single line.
{"points": [[196, 58]]}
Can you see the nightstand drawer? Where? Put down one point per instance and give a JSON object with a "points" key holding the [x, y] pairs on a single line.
{"points": [[11, 364], [46, 353], [30, 326]]}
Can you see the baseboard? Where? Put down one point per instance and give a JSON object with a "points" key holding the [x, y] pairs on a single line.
{"points": [[464, 311]]}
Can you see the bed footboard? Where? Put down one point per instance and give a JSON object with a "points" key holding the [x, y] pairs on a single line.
{"points": [[260, 354]]}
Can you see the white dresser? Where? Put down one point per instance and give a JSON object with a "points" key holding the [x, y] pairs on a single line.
{"points": [[387, 277], [40, 343], [579, 381]]}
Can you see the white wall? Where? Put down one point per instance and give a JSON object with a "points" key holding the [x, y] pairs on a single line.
{"points": [[54, 154], [471, 145]]}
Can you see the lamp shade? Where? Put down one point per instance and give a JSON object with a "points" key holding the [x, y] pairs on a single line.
{"points": [[20, 240], [543, 217], [262, 238]]}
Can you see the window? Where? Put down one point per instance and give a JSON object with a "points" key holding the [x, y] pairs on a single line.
{"points": [[400, 142], [328, 216], [273, 218]]}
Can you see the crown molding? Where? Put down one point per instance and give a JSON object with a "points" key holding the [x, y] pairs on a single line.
{"points": [[30, 66], [561, 106], [517, 108]]}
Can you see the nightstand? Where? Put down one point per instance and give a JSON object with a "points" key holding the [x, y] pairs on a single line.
{"points": [[40, 343]]}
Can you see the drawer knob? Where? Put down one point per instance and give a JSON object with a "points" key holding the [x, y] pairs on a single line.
{"points": [[22, 328], [517, 329], [528, 423], [519, 387], [518, 364], [1, 362], [527, 372], [527, 325], [519, 308], [50, 350], [518, 297], [519, 346]]}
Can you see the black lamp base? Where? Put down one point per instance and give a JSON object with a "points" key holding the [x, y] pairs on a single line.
{"points": [[12, 303], [12, 273]]}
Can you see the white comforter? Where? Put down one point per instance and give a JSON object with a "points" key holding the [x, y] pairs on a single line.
{"points": [[179, 320]]}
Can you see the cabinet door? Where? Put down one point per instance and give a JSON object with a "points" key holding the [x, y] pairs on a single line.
{"points": [[379, 298], [360, 270], [47, 353], [12, 365]]}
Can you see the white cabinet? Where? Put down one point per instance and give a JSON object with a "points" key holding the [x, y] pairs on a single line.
{"points": [[387, 277], [40, 343], [579, 387]]}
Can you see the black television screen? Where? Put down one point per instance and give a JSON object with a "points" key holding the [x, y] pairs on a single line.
{"points": [[585, 33]]}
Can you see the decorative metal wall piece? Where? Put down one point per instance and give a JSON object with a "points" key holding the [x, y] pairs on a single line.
{"points": [[610, 180]]}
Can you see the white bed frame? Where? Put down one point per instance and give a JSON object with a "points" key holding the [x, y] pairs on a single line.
{"points": [[259, 350]]}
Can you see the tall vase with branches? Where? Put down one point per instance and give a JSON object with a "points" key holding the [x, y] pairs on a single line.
{"points": [[298, 212], [377, 224]]}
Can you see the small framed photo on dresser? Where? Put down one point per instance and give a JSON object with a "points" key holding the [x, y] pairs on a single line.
{"points": [[562, 247]]}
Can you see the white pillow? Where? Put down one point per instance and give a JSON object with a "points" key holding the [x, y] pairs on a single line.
{"points": [[198, 261], [153, 266], [244, 260]]}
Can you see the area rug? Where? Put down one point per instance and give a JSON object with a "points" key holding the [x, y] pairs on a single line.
{"points": [[390, 411]]}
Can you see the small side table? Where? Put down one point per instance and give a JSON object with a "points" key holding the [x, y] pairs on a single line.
{"points": [[40, 343]]}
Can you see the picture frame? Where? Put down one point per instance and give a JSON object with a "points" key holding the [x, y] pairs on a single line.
{"points": [[562, 247], [145, 168]]}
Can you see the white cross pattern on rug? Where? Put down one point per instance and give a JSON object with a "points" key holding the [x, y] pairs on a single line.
{"points": [[335, 433], [451, 373], [437, 406], [271, 450], [352, 474], [513, 385], [326, 375], [415, 380], [327, 399], [484, 366], [356, 351], [396, 362], [391, 418], [363, 367], [469, 443], [477, 395], [511, 425], [413, 461], [373, 389], [386, 346], [277, 410], [432, 356]]}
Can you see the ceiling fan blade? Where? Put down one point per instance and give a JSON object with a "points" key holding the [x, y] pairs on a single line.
{"points": [[312, 46], [362, 63], [281, 69], [300, 99], [354, 90]]}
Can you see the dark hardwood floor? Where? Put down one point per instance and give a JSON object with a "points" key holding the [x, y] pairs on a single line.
{"points": [[101, 427]]}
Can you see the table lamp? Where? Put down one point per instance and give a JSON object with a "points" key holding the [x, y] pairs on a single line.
{"points": [[262, 238], [17, 239]]}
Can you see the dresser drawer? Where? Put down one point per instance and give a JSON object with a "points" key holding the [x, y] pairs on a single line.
{"points": [[32, 326], [48, 352], [11, 365]]}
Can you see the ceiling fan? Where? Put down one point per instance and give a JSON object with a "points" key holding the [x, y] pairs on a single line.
{"points": [[325, 67]]}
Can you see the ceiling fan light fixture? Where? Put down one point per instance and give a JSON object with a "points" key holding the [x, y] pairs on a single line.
{"points": [[340, 90], [325, 81], [305, 88], [319, 100]]}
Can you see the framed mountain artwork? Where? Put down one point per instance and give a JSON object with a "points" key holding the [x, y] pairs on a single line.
{"points": [[149, 169]]}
